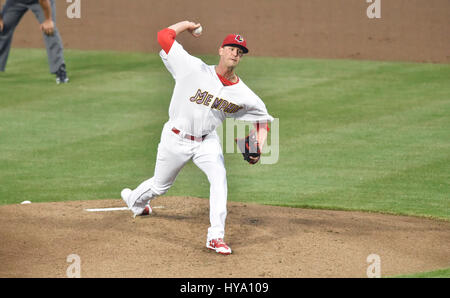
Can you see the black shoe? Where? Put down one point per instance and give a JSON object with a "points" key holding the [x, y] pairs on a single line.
{"points": [[61, 75]]}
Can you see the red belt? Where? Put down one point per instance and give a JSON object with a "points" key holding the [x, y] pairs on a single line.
{"points": [[189, 137]]}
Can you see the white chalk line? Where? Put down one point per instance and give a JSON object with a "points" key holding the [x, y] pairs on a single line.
{"points": [[116, 209]]}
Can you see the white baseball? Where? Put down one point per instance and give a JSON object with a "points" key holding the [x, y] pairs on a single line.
{"points": [[198, 31]]}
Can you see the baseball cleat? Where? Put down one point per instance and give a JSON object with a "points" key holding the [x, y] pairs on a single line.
{"points": [[147, 210], [219, 246], [125, 194], [61, 75], [137, 211]]}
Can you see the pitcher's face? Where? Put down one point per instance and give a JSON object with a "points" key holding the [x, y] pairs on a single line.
{"points": [[230, 56]]}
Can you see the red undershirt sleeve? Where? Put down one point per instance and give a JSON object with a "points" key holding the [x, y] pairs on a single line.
{"points": [[166, 38]]}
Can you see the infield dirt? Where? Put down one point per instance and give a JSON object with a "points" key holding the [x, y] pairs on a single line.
{"points": [[267, 241], [408, 30]]}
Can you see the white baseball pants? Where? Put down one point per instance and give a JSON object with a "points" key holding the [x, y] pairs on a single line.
{"points": [[174, 151]]}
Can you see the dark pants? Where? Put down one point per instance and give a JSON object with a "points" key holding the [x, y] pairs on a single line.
{"points": [[12, 13]]}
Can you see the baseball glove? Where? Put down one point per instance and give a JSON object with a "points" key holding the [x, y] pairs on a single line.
{"points": [[249, 147]]}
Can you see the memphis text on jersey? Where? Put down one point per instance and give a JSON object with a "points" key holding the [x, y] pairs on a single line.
{"points": [[219, 104]]}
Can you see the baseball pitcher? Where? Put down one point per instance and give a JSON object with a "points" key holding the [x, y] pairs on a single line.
{"points": [[202, 97]]}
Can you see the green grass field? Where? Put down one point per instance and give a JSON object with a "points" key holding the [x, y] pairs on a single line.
{"points": [[371, 136], [444, 273], [354, 135]]}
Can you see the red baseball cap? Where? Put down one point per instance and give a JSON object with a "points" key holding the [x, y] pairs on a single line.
{"points": [[235, 40]]}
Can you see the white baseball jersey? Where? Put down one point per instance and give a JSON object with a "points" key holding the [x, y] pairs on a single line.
{"points": [[200, 102]]}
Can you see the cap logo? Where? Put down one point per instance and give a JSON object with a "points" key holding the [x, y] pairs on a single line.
{"points": [[239, 38]]}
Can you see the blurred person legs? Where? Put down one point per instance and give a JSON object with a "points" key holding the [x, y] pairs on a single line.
{"points": [[53, 44], [12, 12]]}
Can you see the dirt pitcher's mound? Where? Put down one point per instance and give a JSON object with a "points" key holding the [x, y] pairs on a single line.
{"points": [[36, 239]]}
